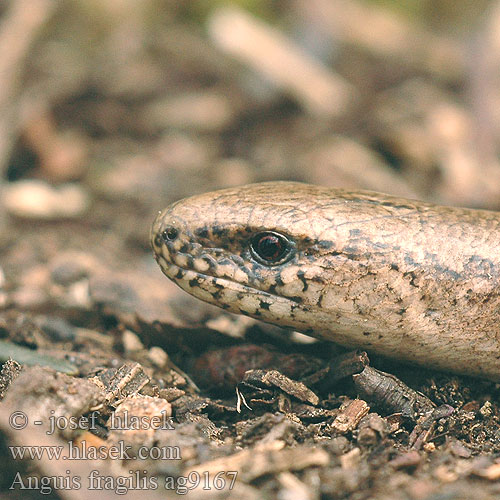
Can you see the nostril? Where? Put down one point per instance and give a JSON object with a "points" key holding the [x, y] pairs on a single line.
{"points": [[170, 234]]}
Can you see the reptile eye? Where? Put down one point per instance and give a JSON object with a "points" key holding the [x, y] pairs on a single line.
{"points": [[170, 234], [270, 248]]}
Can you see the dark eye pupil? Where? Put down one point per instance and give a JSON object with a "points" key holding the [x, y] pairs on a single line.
{"points": [[170, 234], [270, 247]]}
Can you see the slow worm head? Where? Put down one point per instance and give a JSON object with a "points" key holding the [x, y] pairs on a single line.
{"points": [[402, 278]]}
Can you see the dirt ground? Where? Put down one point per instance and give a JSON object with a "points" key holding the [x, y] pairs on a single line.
{"points": [[110, 111]]}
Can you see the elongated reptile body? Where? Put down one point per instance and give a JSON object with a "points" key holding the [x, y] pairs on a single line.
{"points": [[406, 279]]}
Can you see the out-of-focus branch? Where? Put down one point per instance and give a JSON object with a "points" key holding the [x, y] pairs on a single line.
{"points": [[18, 29], [318, 89]]}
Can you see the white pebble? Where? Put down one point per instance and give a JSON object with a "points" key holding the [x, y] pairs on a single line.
{"points": [[35, 199]]}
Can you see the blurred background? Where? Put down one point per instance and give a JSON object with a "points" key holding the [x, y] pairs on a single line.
{"points": [[146, 102], [109, 111]]}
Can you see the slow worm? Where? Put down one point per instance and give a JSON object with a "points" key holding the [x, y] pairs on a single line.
{"points": [[402, 278]]}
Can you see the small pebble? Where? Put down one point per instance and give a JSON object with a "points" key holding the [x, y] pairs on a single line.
{"points": [[131, 341], [35, 199], [158, 356], [78, 294]]}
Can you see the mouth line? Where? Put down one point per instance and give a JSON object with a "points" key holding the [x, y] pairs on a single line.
{"points": [[172, 270]]}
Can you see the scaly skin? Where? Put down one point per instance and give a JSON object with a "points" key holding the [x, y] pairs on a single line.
{"points": [[402, 278]]}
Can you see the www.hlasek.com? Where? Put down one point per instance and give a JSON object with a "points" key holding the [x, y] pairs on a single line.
{"points": [[137, 480], [83, 451]]}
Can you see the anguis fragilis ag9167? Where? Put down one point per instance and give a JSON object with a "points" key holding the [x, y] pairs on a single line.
{"points": [[406, 279]]}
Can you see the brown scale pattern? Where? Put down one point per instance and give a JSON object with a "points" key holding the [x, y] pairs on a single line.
{"points": [[402, 278]]}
